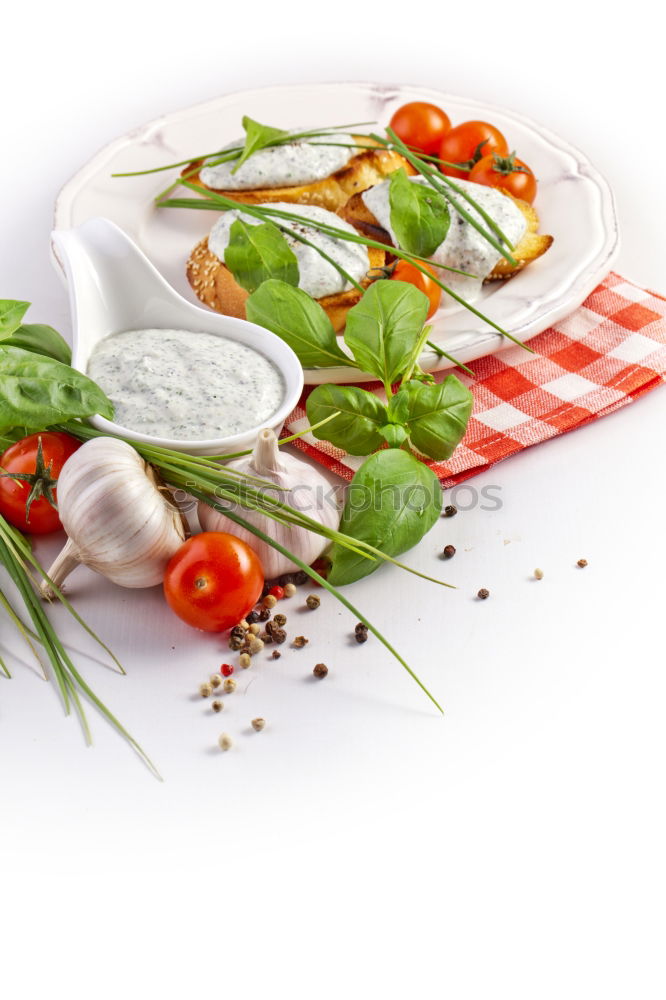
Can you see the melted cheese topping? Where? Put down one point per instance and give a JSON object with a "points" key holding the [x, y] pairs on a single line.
{"points": [[287, 165], [464, 248], [317, 276]]}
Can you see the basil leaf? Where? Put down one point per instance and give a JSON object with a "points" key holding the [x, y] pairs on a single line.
{"points": [[257, 136], [435, 416], [383, 328], [394, 434], [392, 501], [35, 392], [360, 416], [40, 339], [420, 216], [257, 253], [12, 312], [300, 321]]}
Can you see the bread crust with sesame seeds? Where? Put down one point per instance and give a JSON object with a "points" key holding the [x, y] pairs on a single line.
{"points": [[366, 168], [215, 285]]}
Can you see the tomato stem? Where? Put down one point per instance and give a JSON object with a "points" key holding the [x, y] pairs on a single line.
{"points": [[41, 481]]}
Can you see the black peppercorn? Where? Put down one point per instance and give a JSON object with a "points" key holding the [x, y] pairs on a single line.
{"points": [[263, 615], [450, 511], [361, 636], [276, 654], [483, 594], [279, 620], [361, 627], [278, 635], [252, 618], [300, 578], [449, 551], [238, 631], [320, 670]]}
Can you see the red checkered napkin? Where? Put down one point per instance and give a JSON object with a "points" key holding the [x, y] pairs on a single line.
{"points": [[606, 354]]}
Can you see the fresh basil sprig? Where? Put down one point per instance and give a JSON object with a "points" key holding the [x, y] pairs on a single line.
{"points": [[420, 216], [40, 339], [434, 417], [392, 501], [301, 322], [256, 253], [35, 337], [383, 328], [37, 391], [257, 136], [12, 312], [357, 417]]}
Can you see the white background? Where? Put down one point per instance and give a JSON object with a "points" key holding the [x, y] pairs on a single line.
{"points": [[361, 846]]}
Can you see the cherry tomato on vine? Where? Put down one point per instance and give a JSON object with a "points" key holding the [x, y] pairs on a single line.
{"points": [[213, 581], [404, 271], [467, 143], [28, 495], [421, 125], [506, 172]]}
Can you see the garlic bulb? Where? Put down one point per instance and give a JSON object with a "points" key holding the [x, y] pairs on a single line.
{"points": [[296, 483], [118, 521]]}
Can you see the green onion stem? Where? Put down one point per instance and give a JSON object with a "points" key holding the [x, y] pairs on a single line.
{"points": [[22, 550], [322, 253], [180, 470], [440, 182], [26, 632], [323, 582], [449, 357], [216, 202], [413, 259], [17, 558], [235, 151]]}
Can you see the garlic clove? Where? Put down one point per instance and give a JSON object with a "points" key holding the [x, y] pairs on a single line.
{"points": [[119, 521], [296, 483]]}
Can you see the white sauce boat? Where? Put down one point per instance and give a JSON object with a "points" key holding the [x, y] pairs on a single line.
{"points": [[113, 287]]}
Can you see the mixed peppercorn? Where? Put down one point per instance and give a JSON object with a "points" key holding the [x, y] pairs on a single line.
{"points": [[264, 626], [258, 629]]}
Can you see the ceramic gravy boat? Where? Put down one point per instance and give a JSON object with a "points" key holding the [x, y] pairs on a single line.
{"points": [[113, 287]]}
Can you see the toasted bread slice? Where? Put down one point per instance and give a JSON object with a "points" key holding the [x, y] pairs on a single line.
{"points": [[215, 285], [532, 244], [367, 168]]}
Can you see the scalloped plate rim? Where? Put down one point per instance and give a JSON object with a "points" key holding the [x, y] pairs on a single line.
{"points": [[467, 345]]}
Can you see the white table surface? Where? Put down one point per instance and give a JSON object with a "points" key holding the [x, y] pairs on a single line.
{"points": [[361, 846]]}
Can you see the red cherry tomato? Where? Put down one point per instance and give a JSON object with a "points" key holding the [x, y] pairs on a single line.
{"points": [[467, 143], [22, 459], [213, 581], [506, 172], [421, 125], [404, 271]]}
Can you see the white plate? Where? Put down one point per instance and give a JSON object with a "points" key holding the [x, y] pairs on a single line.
{"points": [[574, 201]]}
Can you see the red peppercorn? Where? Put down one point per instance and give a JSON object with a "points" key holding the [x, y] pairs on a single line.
{"points": [[277, 592], [226, 670]]}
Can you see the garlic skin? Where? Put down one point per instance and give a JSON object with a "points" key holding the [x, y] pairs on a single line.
{"points": [[117, 520], [296, 483]]}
